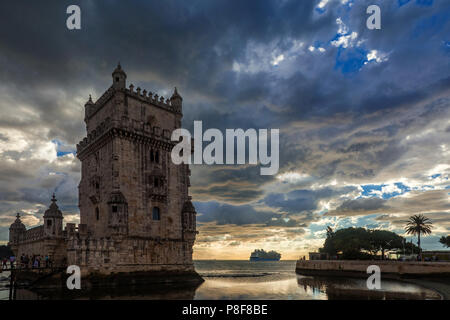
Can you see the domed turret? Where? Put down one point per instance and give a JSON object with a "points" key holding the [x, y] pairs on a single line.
{"points": [[88, 108], [53, 220], [176, 100], [188, 221], [16, 229], [188, 207], [119, 77]]}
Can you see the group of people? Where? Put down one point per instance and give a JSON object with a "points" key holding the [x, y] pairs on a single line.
{"points": [[35, 261], [11, 260]]}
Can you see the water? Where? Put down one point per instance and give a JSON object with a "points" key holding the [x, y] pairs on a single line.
{"points": [[4, 281], [241, 280]]}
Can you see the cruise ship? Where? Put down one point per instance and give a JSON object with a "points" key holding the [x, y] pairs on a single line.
{"points": [[261, 255]]}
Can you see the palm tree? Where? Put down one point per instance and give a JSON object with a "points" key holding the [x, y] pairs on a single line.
{"points": [[330, 232], [418, 224]]}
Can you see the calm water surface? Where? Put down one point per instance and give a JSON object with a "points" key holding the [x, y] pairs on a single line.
{"points": [[242, 280], [278, 280]]}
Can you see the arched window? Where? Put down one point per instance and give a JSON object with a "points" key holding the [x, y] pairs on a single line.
{"points": [[97, 213], [152, 156], [156, 182], [156, 214], [157, 157]]}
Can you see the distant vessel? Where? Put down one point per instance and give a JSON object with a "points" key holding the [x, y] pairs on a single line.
{"points": [[261, 255]]}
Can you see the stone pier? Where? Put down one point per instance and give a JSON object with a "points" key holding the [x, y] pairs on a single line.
{"points": [[358, 268]]}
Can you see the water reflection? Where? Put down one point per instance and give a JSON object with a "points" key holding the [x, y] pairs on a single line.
{"points": [[352, 288], [293, 287], [243, 280], [155, 292]]}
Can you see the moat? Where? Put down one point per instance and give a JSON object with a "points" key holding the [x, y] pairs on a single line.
{"points": [[242, 280]]}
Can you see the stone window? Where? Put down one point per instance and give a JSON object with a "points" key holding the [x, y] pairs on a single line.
{"points": [[158, 182], [49, 223], [114, 208], [154, 156], [97, 213], [156, 213]]}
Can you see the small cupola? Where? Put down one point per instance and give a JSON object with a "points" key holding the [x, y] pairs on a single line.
{"points": [[119, 78], [176, 100], [89, 107], [53, 219], [16, 229]]}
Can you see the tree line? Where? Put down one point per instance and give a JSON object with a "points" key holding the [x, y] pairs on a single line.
{"points": [[361, 243]]}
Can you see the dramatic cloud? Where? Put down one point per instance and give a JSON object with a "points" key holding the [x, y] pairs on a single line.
{"points": [[363, 114]]}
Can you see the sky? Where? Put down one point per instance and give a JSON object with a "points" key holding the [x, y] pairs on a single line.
{"points": [[363, 114]]}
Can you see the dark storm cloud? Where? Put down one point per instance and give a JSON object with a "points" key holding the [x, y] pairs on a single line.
{"points": [[376, 121], [228, 214], [301, 201], [229, 184], [364, 205]]}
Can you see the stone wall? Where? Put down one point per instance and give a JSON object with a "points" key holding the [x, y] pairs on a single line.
{"points": [[34, 242], [106, 256], [350, 267]]}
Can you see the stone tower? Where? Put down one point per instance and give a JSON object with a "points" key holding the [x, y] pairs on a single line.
{"points": [[133, 200]]}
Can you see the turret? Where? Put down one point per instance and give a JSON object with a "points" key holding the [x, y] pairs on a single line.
{"points": [[16, 230], [53, 220], [118, 213], [88, 108], [119, 78], [188, 216], [176, 100]]}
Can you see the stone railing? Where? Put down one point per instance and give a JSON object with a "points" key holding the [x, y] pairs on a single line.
{"points": [[149, 97]]}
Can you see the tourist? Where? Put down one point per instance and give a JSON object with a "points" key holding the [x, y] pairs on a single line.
{"points": [[4, 264], [35, 263], [12, 259]]}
